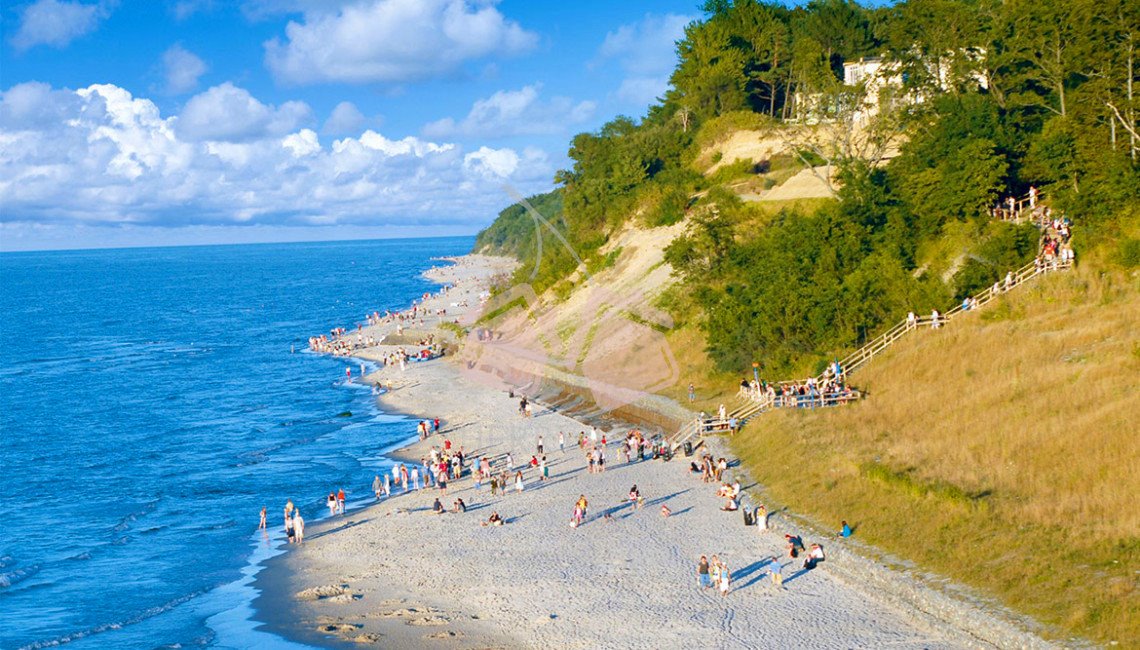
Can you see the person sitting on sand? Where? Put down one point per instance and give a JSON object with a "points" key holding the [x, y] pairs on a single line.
{"points": [[459, 506], [795, 544], [730, 505], [494, 520], [665, 511], [814, 556], [634, 494], [437, 507]]}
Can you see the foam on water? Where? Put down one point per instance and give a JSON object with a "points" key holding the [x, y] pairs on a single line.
{"points": [[150, 407]]}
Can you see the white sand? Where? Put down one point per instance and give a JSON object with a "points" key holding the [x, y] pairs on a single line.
{"points": [[410, 578]]}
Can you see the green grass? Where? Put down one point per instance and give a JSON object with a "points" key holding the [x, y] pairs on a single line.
{"points": [[1001, 452]]}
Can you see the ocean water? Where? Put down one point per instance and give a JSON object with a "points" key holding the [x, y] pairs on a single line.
{"points": [[150, 406]]}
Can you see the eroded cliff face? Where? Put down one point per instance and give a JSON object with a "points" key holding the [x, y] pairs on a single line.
{"points": [[606, 336]]}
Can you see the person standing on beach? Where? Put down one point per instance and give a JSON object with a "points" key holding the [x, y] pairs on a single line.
{"points": [[775, 569], [387, 486], [290, 533], [298, 526], [261, 526], [582, 505], [376, 486], [725, 579], [340, 501], [518, 482], [539, 445], [703, 580], [562, 442], [415, 478]]}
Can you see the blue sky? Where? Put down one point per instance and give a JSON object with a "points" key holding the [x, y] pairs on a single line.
{"points": [[155, 122]]}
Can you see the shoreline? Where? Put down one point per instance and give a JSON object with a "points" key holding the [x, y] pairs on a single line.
{"points": [[867, 606]]}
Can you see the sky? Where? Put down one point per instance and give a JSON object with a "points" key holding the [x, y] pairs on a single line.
{"points": [[167, 122]]}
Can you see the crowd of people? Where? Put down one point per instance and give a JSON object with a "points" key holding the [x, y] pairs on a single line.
{"points": [[829, 389]]}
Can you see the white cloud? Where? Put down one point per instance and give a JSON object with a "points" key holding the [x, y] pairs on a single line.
{"points": [[184, 9], [99, 155], [302, 143], [646, 52], [515, 112], [226, 112], [55, 23], [392, 41], [182, 69], [345, 117], [492, 163]]}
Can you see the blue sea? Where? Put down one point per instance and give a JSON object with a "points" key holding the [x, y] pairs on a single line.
{"points": [[150, 405]]}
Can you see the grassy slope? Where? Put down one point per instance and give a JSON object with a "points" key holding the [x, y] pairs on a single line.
{"points": [[1002, 451]]}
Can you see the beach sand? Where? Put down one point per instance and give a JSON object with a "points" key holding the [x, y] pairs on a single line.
{"points": [[397, 575]]}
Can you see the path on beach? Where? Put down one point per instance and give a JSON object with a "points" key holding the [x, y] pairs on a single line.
{"points": [[414, 578]]}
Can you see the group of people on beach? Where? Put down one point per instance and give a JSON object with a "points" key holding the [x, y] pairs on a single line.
{"points": [[294, 523], [714, 574], [335, 502]]}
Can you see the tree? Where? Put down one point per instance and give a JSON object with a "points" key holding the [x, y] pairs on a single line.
{"points": [[710, 74]]}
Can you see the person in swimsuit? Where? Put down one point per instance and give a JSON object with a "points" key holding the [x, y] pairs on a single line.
{"points": [[261, 526]]}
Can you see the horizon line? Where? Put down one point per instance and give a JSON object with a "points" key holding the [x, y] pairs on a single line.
{"points": [[140, 246]]}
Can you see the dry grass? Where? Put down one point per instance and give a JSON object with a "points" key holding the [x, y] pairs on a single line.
{"points": [[1003, 451]]}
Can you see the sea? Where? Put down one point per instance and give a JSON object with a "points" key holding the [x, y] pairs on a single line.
{"points": [[152, 401]]}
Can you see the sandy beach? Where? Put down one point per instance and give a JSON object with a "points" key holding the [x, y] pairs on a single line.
{"points": [[395, 574]]}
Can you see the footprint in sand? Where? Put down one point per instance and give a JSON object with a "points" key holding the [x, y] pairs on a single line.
{"points": [[429, 620]]}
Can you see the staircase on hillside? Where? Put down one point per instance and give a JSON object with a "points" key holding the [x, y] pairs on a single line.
{"points": [[751, 403]]}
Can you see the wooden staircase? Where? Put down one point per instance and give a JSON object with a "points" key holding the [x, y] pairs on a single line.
{"points": [[753, 403]]}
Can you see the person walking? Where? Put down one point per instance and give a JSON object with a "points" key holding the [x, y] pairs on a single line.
{"points": [[775, 569], [340, 501], [562, 442], [703, 580]]}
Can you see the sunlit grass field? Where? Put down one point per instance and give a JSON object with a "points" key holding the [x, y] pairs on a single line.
{"points": [[1002, 451]]}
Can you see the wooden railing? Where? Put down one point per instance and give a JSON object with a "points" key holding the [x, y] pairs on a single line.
{"points": [[754, 402]]}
